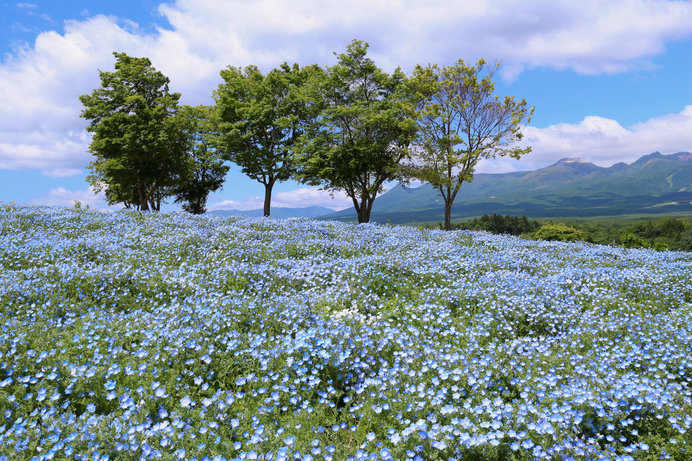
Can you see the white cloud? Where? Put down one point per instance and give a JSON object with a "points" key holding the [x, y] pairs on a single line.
{"points": [[250, 203], [299, 198], [53, 151], [312, 197], [62, 173], [601, 141], [63, 197], [589, 36], [40, 126]]}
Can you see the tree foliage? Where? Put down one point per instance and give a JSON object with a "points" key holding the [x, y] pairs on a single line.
{"points": [[137, 141], [498, 224], [559, 232], [363, 130], [204, 170], [261, 118], [460, 122]]}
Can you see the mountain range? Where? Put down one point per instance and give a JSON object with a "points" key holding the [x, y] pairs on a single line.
{"points": [[655, 184], [279, 212]]}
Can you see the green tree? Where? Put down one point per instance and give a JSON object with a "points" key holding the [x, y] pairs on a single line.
{"points": [[261, 118], [138, 144], [460, 123], [205, 169], [363, 131]]}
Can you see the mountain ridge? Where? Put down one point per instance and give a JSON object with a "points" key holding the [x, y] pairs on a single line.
{"points": [[279, 212], [571, 187], [653, 184]]}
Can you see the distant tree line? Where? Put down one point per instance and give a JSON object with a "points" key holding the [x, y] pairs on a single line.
{"points": [[664, 233], [498, 224], [350, 127]]}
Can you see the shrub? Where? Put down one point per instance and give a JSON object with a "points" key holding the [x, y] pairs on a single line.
{"points": [[560, 232], [631, 240]]}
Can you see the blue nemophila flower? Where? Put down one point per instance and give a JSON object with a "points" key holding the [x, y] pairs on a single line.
{"points": [[413, 337]]}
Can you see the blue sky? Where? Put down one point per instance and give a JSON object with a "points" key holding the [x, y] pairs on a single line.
{"points": [[610, 81]]}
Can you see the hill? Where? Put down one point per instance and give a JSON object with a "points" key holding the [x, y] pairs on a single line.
{"points": [[654, 184], [172, 336]]}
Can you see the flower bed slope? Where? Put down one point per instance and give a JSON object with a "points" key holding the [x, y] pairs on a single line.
{"points": [[147, 336]]}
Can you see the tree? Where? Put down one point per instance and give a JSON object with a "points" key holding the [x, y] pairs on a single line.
{"points": [[138, 143], [460, 123], [261, 118], [363, 132], [205, 169]]}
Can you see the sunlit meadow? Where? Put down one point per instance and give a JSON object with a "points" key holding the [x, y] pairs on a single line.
{"points": [[171, 336]]}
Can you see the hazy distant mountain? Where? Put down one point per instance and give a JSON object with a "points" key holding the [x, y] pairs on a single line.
{"points": [[279, 212], [654, 184]]}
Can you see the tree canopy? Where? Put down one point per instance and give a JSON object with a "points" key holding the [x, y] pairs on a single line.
{"points": [[363, 130], [261, 118], [460, 122], [205, 170], [351, 127], [137, 141]]}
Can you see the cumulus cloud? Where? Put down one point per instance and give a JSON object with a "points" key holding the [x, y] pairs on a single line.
{"points": [[67, 198], [601, 141], [299, 198], [308, 197], [40, 127], [588, 36]]}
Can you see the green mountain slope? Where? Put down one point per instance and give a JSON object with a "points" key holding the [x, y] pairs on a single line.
{"points": [[278, 212], [654, 184]]}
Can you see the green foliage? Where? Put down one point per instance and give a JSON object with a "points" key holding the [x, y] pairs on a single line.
{"points": [[665, 233], [631, 240], [662, 228], [461, 122], [560, 232], [138, 143], [261, 118], [498, 224], [205, 170], [363, 132]]}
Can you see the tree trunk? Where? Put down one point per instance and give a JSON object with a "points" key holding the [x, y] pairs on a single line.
{"points": [[364, 211], [363, 215], [268, 197], [143, 199], [448, 215], [449, 200]]}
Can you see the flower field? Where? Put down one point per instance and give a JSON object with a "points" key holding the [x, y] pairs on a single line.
{"points": [[172, 336]]}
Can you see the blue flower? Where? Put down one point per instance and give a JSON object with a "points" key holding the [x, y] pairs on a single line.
{"points": [[186, 402]]}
